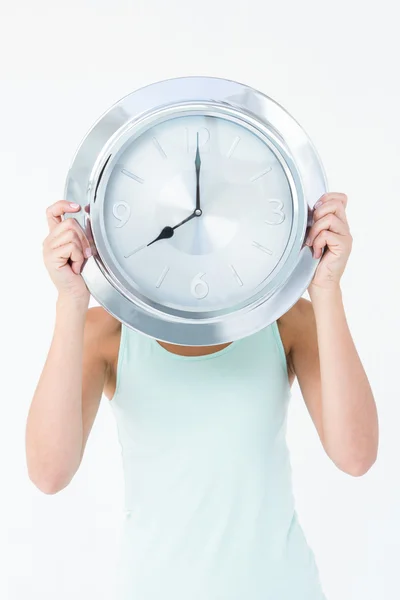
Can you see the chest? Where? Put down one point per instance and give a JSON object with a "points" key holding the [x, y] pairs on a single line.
{"points": [[236, 401]]}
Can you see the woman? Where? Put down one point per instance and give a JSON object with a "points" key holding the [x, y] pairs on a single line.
{"points": [[209, 506]]}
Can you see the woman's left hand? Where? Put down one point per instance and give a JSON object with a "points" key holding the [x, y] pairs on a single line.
{"points": [[330, 228]]}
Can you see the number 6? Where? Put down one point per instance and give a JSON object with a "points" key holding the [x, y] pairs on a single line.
{"points": [[198, 287]]}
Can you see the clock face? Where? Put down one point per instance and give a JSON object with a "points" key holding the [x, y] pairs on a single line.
{"points": [[224, 255]]}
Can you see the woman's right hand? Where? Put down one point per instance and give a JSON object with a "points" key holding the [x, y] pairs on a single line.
{"points": [[66, 240]]}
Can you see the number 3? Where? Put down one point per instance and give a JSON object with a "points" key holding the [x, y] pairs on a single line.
{"points": [[277, 211]]}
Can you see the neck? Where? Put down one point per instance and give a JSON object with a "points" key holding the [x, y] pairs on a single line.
{"points": [[192, 350]]}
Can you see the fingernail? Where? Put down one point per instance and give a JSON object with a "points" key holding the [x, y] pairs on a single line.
{"points": [[318, 203], [88, 252], [308, 241], [74, 205]]}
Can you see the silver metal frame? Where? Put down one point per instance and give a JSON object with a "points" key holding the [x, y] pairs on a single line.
{"points": [[93, 163]]}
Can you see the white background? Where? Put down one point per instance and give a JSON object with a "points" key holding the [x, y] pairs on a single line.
{"points": [[334, 66]]}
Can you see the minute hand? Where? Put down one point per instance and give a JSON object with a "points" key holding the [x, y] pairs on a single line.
{"points": [[197, 163]]}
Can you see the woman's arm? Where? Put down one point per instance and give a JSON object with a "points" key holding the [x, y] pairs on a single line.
{"points": [[66, 399], [323, 356], [333, 382], [68, 393]]}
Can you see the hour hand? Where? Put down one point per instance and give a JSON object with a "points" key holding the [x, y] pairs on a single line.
{"points": [[166, 232]]}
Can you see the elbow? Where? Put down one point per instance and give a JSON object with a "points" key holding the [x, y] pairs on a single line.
{"points": [[357, 467], [49, 485], [49, 476], [48, 490]]}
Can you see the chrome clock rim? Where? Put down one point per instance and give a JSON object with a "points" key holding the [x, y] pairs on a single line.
{"points": [[86, 182]]}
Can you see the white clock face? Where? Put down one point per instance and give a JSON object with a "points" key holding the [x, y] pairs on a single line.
{"points": [[223, 255]]}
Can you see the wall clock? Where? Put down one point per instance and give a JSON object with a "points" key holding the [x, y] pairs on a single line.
{"points": [[197, 194]]}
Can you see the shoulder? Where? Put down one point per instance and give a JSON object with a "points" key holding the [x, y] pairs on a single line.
{"points": [[100, 321], [296, 325], [300, 312]]}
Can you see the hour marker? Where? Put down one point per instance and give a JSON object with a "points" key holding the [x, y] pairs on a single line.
{"points": [[134, 251], [159, 148], [132, 176], [121, 215], [191, 139], [261, 174], [162, 277], [263, 248], [233, 147], [277, 211], [240, 282]]}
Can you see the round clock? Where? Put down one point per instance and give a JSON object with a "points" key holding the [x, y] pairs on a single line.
{"points": [[196, 195]]}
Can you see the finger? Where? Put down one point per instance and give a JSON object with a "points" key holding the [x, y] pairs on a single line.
{"points": [[65, 226], [69, 251], [333, 196], [334, 206], [333, 240], [331, 222], [56, 210], [65, 237]]}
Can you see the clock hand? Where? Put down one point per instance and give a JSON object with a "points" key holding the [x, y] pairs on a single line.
{"points": [[197, 163], [166, 232]]}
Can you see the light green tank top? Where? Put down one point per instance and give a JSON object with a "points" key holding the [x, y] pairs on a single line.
{"points": [[209, 508]]}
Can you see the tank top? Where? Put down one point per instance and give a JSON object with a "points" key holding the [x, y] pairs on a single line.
{"points": [[209, 512]]}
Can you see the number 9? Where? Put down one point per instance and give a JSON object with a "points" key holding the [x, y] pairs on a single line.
{"points": [[126, 213]]}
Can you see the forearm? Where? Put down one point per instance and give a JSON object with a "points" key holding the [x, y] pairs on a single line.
{"points": [[54, 424], [349, 416]]}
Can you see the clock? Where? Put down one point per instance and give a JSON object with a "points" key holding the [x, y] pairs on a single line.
{"points": [[197, 194]]}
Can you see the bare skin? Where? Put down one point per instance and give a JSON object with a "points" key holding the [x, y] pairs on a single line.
{"points": [[82, 362]]}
